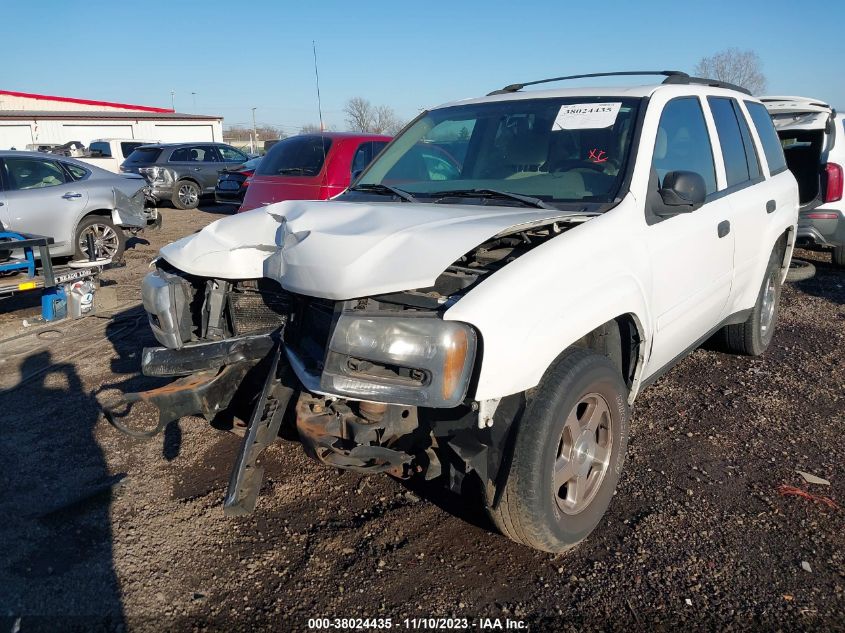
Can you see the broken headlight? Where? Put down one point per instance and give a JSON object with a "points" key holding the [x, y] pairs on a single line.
{"points": [[422, 361]]}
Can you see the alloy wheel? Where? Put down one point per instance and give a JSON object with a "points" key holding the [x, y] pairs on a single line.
{"points": [[106, 240], [583, 454]]}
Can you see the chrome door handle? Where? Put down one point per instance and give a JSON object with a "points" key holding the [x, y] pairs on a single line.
{"points": [[71, 194]]}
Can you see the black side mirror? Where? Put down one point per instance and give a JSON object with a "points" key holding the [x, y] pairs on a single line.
{"points": [[682, 192]]}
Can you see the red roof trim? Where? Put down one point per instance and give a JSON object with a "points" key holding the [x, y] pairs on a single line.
{"points": [[107, 104]]}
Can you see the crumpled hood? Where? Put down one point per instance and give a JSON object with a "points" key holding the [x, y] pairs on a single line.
{"points": [[344, 250]]}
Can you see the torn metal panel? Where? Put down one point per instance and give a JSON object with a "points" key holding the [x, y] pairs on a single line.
{"points": [[129, 210]]}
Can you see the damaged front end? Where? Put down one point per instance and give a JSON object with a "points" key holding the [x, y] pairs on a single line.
{"points": [[375, 384]]}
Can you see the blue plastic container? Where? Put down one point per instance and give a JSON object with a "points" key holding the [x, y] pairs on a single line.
{"points": [[54, 304]]}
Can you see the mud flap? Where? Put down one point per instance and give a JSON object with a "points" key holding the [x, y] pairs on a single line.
{"points": [[247, 475]]}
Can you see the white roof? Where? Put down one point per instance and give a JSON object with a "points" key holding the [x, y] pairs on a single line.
{"points": [[645, 90]]}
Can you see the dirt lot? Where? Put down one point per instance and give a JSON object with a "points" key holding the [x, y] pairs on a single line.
{"points": [[100, 531]]}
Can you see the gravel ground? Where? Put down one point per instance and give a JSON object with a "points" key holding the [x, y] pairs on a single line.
{"points": [[103, 532]]}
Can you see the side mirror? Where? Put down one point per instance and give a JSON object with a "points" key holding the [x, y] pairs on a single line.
{"points": [[682, 192]]}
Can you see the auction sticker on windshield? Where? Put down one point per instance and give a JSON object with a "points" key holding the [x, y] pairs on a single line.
{"points": [[583, 116]]}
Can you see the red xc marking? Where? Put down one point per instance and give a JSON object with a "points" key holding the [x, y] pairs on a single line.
{"points": [[597, 156]]}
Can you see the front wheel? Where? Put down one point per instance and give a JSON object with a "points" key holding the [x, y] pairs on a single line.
{"points": [[568, 453]]}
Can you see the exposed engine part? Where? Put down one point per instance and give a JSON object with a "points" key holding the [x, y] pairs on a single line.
{"points": [[216, 292], [257, 306], [372, 411], [331, 433]]}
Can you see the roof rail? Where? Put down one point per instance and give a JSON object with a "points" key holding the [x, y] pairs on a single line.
{"points": [[672, 77], [683, 78]]}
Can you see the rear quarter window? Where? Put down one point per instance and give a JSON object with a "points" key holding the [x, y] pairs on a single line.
{"points": [[768, 136]]}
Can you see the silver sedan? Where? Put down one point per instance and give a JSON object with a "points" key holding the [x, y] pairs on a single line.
{"points": [[68, 200]]}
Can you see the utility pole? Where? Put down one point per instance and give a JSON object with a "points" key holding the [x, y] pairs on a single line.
{"points": [[254, 134], [173, 100]]}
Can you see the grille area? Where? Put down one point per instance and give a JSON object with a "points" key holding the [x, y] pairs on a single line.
{"points": [[257, 308]]}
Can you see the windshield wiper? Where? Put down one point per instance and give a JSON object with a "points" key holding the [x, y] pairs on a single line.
{"points": [[380, 189], [493, 193]]}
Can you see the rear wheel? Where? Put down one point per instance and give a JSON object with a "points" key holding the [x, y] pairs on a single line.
{"points": [[568, 454], [753, 336], [187, 195], [109, 241]]}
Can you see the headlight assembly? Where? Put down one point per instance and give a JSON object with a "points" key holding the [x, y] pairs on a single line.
{"points": [[422, 361]]}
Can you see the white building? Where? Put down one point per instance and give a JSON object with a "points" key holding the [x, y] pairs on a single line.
{"points": [[31, 119]]}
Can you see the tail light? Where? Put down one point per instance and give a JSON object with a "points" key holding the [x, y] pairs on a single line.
{"points": [[833, 191]]}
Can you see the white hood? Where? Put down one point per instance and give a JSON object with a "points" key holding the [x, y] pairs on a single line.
{"points": [[344, 250]]}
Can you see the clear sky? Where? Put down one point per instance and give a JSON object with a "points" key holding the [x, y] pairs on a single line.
{"points": [[409, 55]]}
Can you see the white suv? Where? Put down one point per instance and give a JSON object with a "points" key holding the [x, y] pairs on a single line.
{"points": [[489, 297]]}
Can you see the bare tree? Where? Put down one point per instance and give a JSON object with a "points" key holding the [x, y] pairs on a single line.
{"points": [[742, 68], [385, 121], [310, 128], [360, 114]]}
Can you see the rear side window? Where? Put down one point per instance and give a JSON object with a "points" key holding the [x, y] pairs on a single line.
{"points": [[33, 173], [76, 172], [199, 154], [295, 156], [144, 155], [740, 159], [768, 136], [682, 142]]}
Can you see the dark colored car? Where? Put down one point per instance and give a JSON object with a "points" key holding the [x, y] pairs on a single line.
{"points": [[311, 167], [232, 183], [181, 173]]}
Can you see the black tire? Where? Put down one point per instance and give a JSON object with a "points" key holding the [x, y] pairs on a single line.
{"points": [[109, 239], [752, 337], [530, 509], [839, 256], [186, 195], [800, 270]]}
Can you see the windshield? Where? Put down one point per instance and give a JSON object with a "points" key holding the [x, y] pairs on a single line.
{"points": [[555, 150]]}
